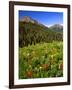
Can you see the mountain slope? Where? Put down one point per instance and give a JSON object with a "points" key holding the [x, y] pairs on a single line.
{"points": [[28, 19], [57, 28], [32, 32]]}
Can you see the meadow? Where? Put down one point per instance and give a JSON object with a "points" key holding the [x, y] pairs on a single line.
{"points": [[42, 60]]}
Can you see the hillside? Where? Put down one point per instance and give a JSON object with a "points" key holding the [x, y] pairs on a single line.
{"points": [[32, 32], [41, 61], [57, 28]]}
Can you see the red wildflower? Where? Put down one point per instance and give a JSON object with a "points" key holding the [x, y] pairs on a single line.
{"points": [[45, 66], [29, 74]]}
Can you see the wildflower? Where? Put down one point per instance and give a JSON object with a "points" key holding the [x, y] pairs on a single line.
{"points": [[24, 54], [52, 56], [28, 54], [30, 66], [45, 66], [40, 67], [36, 68], [33, 53], [61, 66], [29, 74], [46, 51]]}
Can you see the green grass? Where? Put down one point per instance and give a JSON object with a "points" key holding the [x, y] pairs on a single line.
{"points": [[41, 60]]}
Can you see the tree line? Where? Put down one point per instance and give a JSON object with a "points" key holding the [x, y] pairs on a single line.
{"points": [[30, 33]]}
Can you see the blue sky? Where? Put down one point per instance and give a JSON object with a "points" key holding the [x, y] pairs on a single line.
{"points": [[46, 18]]}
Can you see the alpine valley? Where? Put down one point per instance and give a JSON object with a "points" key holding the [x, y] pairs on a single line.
{"points": [[40, 49], [32, 32]]}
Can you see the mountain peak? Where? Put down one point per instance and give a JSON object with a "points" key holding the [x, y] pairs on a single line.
{"points": [[57, 27], [25, 19], [28, 19]]}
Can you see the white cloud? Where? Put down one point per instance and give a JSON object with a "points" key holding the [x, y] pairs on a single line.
{"points": [[49, 25]]}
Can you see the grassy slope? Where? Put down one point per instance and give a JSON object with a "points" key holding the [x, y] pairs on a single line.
{"points": [[41, 60]]}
